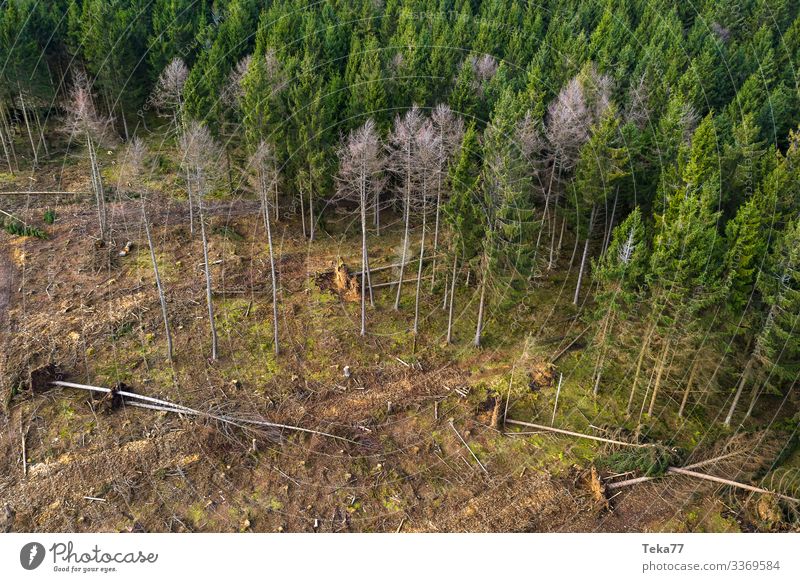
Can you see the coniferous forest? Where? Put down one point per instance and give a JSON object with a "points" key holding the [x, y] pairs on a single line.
{"points": [[384, 265]]}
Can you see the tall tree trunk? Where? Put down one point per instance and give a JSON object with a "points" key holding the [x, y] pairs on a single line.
{"points": [[369, 284], [273, 274], [545, 215], [101, 192], [610, 228], [551, 263], [109, 110], [481, 305], [659, 374], [436, 221], [757, 390], [93, 176], [191, 204], [34, 149], [561, 235], [689, 384], [364, 268], [574, 249], [639, 362], [208, 282], [229, 168], [40, 129], [742, 382], [97, 184], [585, 253], [598, 374], [303, 213], [311, 230], [311, 220], [124, 123], [377, 217], [6, 151], [541, 226], [603, 347], [419, 276], [277, 214], [405, 250], [161, 297], [9, 133], [452, 299]]}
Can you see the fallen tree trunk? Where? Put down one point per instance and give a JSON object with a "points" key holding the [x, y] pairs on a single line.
{"points": [[576, 434], [688, 473], [396, 265], [164, 405], [12, 217], [471, 452], [31, 192], [672, 470], [697, 465], [390, 283]]}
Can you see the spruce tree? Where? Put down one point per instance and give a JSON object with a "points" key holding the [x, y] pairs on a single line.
{"points": [[464, 212], [600, 166], [619, 274], [685, 267], [367, 93], [774, 362]]}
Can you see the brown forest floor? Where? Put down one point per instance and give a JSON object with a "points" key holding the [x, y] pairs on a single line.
{"points": [[95, 315]]}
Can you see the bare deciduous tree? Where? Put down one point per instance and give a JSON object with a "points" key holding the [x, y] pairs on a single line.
{"points": [[275, 71], [26, 119], [426, 169], [570, 116], [402, 160], [568, 123], [484, 67], [264, 166], [200, 159], [83, 120], [638, 109], [233, 91], [133, 167], [361, 165], [7, 138], [168, 92]]}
